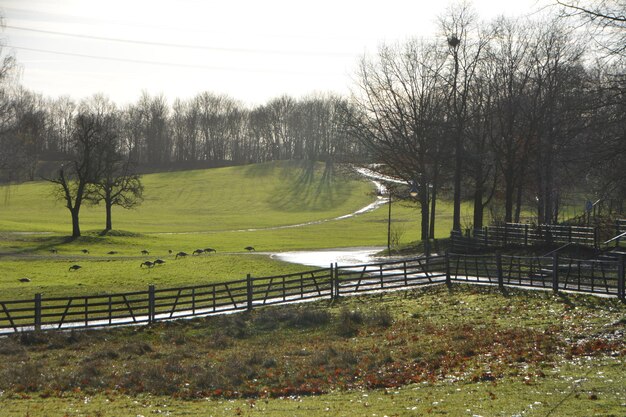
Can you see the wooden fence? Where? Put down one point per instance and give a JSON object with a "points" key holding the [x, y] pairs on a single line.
{"points": [[42, 313], [518, 234]]}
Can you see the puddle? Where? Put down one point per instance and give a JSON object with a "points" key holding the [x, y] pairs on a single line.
{"points": [[323, 258]]}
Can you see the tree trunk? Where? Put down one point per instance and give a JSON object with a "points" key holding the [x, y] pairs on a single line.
{"points": [[424, 205], [108, 205], [478, 205], [508, 202], [433, 203], [75, 223], [518, 198], [456, 214]]}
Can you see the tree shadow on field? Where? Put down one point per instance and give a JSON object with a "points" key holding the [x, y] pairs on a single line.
{"points": [[309, 190], [28, 244], [259, 170]]}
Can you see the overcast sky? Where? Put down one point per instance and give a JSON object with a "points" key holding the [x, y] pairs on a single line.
{"points": [[252, 50]]}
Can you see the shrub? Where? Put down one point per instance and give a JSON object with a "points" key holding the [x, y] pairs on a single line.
{"points": [[235, 326], [33, 338], [380, 318], [206, 378], [10, 346], [136, 348], [25, 376], [310, 318], [349, 322], [269, 319]]}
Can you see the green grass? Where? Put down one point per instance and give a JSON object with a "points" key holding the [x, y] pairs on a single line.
{"points": [[114, 274], [189, 210], [232, 198], [465, 351]]}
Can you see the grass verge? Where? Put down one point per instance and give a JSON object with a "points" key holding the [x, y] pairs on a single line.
{"points": [[464, 351]]}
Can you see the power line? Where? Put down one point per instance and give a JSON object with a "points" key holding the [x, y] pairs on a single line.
{"points": [[168, 64], [177, 45]]}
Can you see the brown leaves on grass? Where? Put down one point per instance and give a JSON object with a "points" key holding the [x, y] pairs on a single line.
{"points": [[304, 350]]}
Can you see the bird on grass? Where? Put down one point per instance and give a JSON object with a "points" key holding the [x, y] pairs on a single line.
{"points": [[85, 251], [158, 262], [208, 250], [111, 252], [145, 252], [24, 279], [75, 267], [181, 254], [147, 263], [198, 251], [249, 248]]}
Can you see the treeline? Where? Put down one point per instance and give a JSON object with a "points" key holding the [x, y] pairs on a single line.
{"points": [[207, 130], [512, 112]]}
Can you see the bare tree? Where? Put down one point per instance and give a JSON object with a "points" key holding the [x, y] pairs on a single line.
{"points": [[118, 183], [83, 168], [466, 42], [605, 20], [9, 147], [400, 115]]}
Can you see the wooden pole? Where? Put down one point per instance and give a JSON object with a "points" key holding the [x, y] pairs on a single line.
{"points": [[621, 284], [151, 306], [37, 312], [555, 272], [249, 291], [499, 270]]}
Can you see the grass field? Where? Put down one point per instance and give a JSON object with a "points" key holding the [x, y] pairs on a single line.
{"points": [[232, 198], [189, 210], [464, 351], [467, 351]]}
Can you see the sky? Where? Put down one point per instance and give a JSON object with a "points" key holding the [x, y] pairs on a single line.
{"points": [[251, 50]]}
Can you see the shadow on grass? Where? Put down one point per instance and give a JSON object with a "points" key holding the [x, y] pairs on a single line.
{"points": [[33, 244], [309, 190]]}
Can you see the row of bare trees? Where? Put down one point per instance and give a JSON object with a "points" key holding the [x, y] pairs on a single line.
{"points": [[206, 130], [517, 110]]}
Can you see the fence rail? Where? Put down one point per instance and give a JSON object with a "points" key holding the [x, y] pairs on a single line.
{"points": [[39, 313], [521, 234]]}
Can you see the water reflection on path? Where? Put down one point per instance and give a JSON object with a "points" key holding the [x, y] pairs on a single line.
{"points": [[323, 258]]}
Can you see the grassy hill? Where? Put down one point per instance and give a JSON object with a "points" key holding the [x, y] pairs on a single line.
{"points": [[253, 196]]}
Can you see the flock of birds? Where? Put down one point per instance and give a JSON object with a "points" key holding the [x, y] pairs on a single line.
{"points": [[145, 252]]}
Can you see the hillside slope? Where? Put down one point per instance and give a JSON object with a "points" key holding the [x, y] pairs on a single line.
{"points": [[252, 196]]}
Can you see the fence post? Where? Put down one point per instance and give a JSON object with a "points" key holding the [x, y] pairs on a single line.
{"points": [[486, 237], [336, 292], [332, 281], [555, 272], [526, 234], [249, 291], [595, 237], [447, 262], [506, 232], [621, 284], [151, 306], [37, 312], [569, 234], [499, 270]]}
